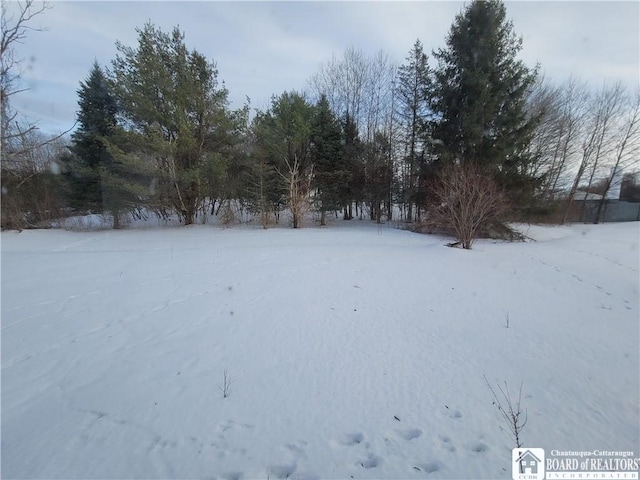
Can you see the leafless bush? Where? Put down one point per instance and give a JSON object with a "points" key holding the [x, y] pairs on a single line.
{"points": [[510, 410], [468, 203], [298, 183]]}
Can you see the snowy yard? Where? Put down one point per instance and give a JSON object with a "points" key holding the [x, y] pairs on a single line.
{"points": [[353, 351]]}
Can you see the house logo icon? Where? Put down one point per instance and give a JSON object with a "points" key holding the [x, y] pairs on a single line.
{"points": [[527, 463]]}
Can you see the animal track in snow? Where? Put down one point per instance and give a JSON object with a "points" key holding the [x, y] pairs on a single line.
{"points": [[230, 424], [479, 447], [429, 467], [409, 433], [453, 413], [352, 439], [446, 443], [371, 461], [297, 448], [282, 471]]}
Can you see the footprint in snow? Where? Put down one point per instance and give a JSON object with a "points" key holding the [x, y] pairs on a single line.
{"points": [[282, 471], [479, 447], [453, 413], [372, 461], [447, 444], [429, 467], [410, 433], [297, 449], [230, 424], [352, 439]]}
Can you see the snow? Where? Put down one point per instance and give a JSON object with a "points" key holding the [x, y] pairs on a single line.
{"points": [[353, 351]]}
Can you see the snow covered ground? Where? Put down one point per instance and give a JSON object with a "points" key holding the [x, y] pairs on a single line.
{"points": [[353, 351]]}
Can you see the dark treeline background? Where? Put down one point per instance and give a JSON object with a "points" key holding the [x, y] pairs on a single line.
{"points": [[467, 133]]}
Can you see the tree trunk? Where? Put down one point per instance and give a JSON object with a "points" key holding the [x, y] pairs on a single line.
{"points": [[116, 220]]}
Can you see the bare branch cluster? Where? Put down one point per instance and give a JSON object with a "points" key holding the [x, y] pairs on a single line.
{"points": [[14, 27], [510, 409], [226, 384], [468, 201], [298, 183]]}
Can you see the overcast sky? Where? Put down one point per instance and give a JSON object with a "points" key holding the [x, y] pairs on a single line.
{"points": [[265, 48]]}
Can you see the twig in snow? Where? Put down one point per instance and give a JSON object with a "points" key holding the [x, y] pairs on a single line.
{"points": [[226, 384]]}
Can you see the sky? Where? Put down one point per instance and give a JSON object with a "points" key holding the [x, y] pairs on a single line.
{"points": [[266, 48]]}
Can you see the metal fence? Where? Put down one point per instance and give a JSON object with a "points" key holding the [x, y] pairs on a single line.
{"points": [[612, 211]]}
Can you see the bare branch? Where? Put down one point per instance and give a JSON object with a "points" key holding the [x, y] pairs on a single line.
{"points": [[511, 411], [15, 30]]}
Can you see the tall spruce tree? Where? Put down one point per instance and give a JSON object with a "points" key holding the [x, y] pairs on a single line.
{"points": [[480, 95], [378, 169], [412, 90], [331, 177], [353, 153], [96, 125], [102, 172]]}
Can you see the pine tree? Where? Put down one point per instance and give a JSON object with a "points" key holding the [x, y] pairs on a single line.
{"points": [[378, 168], [170, 96], [331, 177], [103, 173], [413, 87], [480, 94], [97, 123], [264, 187], [283, 138], [353, 153]]}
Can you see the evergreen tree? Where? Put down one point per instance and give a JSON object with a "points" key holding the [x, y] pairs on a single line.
{"points": [[170, 97], [96, 125], [480, 95], [102, 174], [283, 137], [413, 87], [264, 187], [331, 177], [353, 153], [378, 168]]}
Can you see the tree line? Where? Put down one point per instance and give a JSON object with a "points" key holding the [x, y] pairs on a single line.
{"points": [[468, 136]]}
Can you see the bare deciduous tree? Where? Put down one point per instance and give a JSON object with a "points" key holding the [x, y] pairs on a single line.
{"points": [[359, 86], [555, 143], [31, 184], [603, 110], [298, 183], [16, 21], [627, 145]]}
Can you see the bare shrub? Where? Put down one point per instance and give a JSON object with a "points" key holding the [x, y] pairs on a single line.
{"points": [[468, 203], [297, 180], [511, 410]]}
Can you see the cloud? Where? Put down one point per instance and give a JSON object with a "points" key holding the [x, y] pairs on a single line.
{"points": [[590, 40], [265, 48]]}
